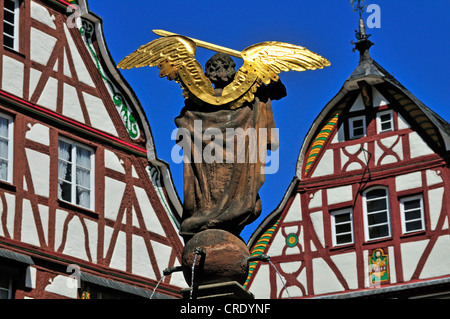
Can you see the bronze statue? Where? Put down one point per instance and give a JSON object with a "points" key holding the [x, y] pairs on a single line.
{"points": [[221, 189]]}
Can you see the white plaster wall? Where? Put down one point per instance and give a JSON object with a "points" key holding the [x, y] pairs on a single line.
{"points": [[113, 162], [82, 71], [162, 253], [418, 147], [315, 200], [317, 221], [119, 256], [378, 98], [71, 104], [438, 261], [98, 114], [325, 281], [38, 133], [339, 136], [295, 211], [408, 181], [49, 94], [435, 197], [41, 46], [151, 220], [35, 75], [40, 171], [277, 245], [261, 282], [340, 194], [433, 177], [402, 124], [346, 263], [114, 190], [391, 261], [141, 264], [411, 253], [358, 105], [76, 239], [325, 165], [66, 67], [12, 79], [42, 15], [29, 231]]}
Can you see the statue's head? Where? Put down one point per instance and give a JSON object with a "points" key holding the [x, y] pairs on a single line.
{"points": [[220, 70]]}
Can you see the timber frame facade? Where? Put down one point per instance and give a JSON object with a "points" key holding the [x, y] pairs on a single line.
{"points": [[86, 208], [367, 214]]}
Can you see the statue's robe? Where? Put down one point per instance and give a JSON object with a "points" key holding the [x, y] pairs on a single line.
{"points": [[224, 194]]}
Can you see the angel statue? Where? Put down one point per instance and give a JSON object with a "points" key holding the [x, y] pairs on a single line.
{"points": [[224, 122]]}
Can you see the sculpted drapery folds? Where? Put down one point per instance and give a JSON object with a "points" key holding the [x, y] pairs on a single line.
{"points": [[231, 123]]}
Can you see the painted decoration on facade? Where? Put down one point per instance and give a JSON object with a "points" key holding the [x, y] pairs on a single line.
{"points": [[260, 248], [319, 141], [378, 267], [128, 119]]}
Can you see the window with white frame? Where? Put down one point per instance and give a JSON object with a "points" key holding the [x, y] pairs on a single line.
{"points": [[376, 213], [412, 214], [5, 286], [75, 173], [357, 127], [385, 121], [342, 226], [6, 147], [11, 24]]}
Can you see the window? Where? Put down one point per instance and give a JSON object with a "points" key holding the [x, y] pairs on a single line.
{"points": [[376, 211], [5, 286], [6, 147], [11, 24], [342, 226], [412, 214], [385, 121], [357, 127], [75, 173]]}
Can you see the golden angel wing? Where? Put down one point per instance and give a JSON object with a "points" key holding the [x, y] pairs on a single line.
{"points": [[268, 59], [175, 56], [264, 61]]}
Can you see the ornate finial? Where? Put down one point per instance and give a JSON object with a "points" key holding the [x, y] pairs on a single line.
{"points": [[363, 44], [360, 6]]}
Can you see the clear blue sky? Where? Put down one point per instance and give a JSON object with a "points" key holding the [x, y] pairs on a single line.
{"points": [[412, 43]]}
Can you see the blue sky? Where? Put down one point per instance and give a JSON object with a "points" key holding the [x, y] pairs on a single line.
{"points": [[412, 43]]}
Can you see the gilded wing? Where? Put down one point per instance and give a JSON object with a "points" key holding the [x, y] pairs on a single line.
{"points": [[268, 59], [175, 56], [265, 61]]}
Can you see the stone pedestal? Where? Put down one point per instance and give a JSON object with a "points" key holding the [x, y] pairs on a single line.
{"points": [[228, 290]]}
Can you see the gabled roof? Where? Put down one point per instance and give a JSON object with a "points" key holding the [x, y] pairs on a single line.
{"points": [[370, 71]]}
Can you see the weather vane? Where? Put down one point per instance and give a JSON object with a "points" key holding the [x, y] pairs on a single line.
{"points": [[360, 6]]}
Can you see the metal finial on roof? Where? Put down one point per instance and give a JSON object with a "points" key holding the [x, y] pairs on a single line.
{"points": [[360, 6], [363, 44]]}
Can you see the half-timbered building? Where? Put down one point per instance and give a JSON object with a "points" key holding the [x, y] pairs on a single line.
{"points": [[367, 214], [86, 207]]}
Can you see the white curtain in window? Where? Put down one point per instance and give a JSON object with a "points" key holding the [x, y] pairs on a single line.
{"points": [[4, 126], [64, 154], [83, 176]]}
